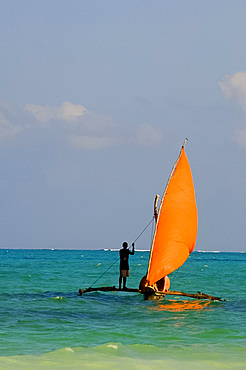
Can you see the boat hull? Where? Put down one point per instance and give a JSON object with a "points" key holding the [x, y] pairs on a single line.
{"points": [[153, 295]]}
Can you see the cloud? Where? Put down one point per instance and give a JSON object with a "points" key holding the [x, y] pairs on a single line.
{"points": [[7, 129], [91, 142], [81, 128], [234, 87], [67, 111], [74, 116], [95, 122], [147, 135]]}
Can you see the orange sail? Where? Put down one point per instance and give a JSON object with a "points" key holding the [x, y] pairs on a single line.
{"points": [[177, 221]]}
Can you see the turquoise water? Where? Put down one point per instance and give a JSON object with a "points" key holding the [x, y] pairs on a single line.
{"points": [[46, 324]]}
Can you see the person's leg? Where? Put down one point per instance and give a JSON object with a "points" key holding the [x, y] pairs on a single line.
{"points": [[124, 282], [120, 280]]}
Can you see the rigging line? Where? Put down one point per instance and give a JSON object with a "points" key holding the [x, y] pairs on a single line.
{"points": [[105, 271], [119, 257], [144, 229]]}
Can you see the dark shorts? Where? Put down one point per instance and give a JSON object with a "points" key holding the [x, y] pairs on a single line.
{"points": [[124, 273]]}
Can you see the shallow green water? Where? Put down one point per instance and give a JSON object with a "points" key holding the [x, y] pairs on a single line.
{"points": [[44, 323]]}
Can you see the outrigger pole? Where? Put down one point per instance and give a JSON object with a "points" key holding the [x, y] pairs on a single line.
{"points": [[197, 295]]}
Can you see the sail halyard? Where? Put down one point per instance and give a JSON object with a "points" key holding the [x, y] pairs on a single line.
{"points": [[182, 246]]}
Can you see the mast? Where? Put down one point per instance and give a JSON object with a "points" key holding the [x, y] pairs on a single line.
{"points": [[161, 203]]}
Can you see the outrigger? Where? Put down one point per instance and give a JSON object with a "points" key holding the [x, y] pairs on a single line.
{"points": [[174, 236], [158, 295]]}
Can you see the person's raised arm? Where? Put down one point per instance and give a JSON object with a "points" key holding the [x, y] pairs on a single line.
{"points": [[133, 250]]}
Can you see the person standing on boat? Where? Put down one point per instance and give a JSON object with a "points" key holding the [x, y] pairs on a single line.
{"points": [[124, 265]]}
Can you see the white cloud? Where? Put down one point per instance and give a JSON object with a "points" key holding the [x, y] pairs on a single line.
{"points": [[75, 115], [234, 86], [91, 142], [67, 111], [147, 135], [95, 122], [83, 129], [7, 129]]}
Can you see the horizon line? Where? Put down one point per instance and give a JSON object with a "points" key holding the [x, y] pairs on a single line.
{"points": [[111, 250]]}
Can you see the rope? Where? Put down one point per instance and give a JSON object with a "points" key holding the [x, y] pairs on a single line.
{"points": [[105, 271], [119, 257], [144, 229]]}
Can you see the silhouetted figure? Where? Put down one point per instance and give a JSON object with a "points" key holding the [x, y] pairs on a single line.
{"points": [[124, 265]]}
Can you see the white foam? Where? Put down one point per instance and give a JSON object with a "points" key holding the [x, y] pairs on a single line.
{"points": [[69, 349], [208, 251], [114, 346]]}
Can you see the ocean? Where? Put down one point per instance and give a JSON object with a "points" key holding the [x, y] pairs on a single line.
{"points": [[45, 324]]}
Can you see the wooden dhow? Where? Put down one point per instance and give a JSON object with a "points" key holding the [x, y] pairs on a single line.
{"points": [[176, 228], [174, 238]]}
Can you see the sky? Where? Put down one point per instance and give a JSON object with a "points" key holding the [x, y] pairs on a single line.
{"points": [[96, 99]]}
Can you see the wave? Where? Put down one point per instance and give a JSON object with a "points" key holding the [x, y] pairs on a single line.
{"points": [[135, 356], [207, 251]]}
